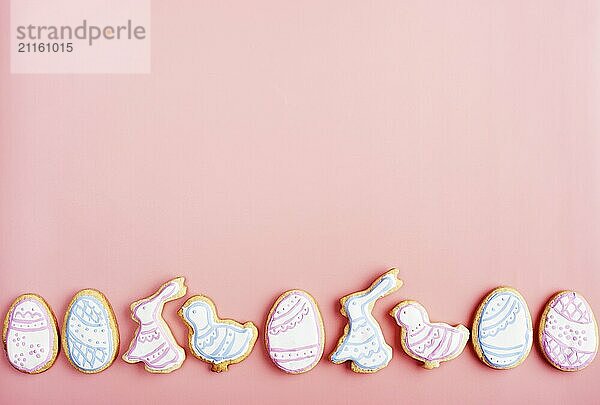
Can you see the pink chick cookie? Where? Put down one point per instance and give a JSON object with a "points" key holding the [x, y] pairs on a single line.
{"points": [[426, 341]]}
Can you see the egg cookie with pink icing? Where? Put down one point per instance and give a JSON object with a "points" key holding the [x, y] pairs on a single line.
{"points": [[30, 334], [426, 341], [295, 336], [568, 332]]}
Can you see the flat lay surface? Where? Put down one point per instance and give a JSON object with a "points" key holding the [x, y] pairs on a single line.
{"points": [[312, 145]]}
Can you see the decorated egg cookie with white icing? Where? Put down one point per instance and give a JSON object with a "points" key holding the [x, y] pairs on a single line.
{"points": [[220, 342], [90, 335], [295, 337], [362, 342], [568, 332], [30, 334], [502, 329]]}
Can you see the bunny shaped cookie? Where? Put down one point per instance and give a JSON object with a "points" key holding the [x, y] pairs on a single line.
{"points": [[154, 344], [362, 342]]}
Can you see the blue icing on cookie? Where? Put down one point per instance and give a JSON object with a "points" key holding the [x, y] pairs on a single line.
{"points": [[504, 332], [89, 334], [214, 340], [364, 344]]}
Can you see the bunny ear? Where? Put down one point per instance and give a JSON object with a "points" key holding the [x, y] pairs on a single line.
{"points": [[173, 289], [168, 290]]}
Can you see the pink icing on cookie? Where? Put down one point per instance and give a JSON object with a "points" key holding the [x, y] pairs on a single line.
{"points": [[569, 336], [571, 307], [295, 335], [426, 341], [154, 344], [30, 336]]}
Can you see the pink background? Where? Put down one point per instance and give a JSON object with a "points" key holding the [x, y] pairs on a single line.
{"points": [[312, 145]]}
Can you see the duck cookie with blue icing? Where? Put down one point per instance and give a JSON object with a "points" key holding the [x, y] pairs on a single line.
{"points": [[220, 342], [502, 331], [154, 343], [362, 342], [90, 334], [30, 334], [426, 341]]}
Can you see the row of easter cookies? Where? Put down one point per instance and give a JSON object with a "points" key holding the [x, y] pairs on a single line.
{"points": [[294, 337]]}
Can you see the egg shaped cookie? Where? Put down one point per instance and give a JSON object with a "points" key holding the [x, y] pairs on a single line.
{"points": [[30, 334], [502, 330], [90, 334], [568, 332], [295, 336]]}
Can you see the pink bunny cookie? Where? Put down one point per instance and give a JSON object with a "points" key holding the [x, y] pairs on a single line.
{"points": [[154, 344]]}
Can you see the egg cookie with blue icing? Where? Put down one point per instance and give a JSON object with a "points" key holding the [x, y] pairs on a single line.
{"points": [[429, 342], [30, 334], [220, 342], [90, 333], [362, 342], [502, 332]]}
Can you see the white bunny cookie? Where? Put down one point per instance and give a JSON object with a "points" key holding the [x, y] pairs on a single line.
{"points": [[154, 344], [362, 342]]}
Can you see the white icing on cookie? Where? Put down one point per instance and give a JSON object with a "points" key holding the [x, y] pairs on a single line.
{"points": [[569, 332], [362, 342], [30, 334], [90, 334], [295, 336], [426, 341], [220, 342], [153, 343], [502, 331]]}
